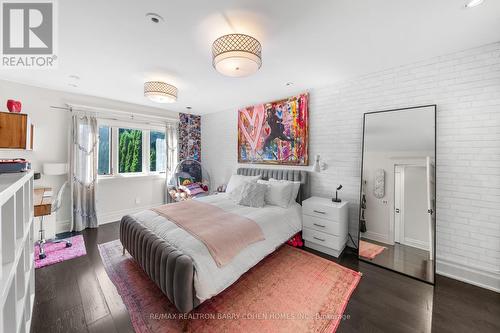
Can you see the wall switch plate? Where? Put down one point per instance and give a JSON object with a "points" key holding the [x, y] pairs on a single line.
{"points": [[137, 200]]}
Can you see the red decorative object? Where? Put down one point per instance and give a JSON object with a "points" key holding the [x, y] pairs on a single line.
{"points": [[13, 106], [296, 241]]}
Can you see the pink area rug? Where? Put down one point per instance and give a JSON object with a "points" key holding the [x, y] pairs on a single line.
{"points": [[289, 291], [57, 252], [370, 250]]}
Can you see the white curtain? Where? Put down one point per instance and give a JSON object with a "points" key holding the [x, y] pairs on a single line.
{"points": [[83, 168], [172, 135], [161, 155]]}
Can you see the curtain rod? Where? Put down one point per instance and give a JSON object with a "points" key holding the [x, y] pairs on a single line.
{"points": [[109, 112]]}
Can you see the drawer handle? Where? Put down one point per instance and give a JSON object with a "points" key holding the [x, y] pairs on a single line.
{"points": [[320, 239], [318, 225], [319, 212]]}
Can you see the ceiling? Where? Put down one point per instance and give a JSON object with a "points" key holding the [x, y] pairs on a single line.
{"points": [[113, 49], [407, 130]]}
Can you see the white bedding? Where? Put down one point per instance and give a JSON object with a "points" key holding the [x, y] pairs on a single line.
{"points": [[278, 225]]}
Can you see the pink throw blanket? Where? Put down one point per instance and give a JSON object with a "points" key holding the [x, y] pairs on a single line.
{"points": [[224, 234]]}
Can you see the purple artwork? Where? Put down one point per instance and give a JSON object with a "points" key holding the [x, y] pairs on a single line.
{"points": [[189, 137]]}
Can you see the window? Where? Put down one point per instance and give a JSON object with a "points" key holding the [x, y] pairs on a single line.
{"points": [[104, 159], [157, 151], [129, 150]]}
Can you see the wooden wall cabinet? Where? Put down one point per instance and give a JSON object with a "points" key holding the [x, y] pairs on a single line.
{"points": [[16, 131]]}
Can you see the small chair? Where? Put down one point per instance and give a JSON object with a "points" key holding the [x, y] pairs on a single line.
{"points": [[56, 205]]}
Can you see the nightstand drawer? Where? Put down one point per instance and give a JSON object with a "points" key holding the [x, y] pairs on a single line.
{"points": [[331, 241], [322, 211], [315, 223]]}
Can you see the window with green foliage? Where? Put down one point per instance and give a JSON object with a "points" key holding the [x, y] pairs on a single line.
{"points": [[157, 151], [104, 159], [132, 151], [129, 150]]}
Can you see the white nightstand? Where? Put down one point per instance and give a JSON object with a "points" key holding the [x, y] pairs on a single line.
{"points": [[325, 225]]}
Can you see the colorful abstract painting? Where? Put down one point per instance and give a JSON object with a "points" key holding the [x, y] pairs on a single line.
{"points": [[274, 133]]}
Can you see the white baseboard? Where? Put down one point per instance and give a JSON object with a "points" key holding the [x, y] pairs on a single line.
{"points": [[475, 276], [63, 226], [109, 217], [416, 243], [376, 237]]}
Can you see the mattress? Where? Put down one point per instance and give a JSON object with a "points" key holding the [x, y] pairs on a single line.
{"points": [[278, 225]]}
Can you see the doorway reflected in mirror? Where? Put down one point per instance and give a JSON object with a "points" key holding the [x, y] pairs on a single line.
{"points": [[397, 214]]}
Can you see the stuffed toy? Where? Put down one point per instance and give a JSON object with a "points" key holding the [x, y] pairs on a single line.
{"points": [[296, 241], [185, 181], [204, 185]]}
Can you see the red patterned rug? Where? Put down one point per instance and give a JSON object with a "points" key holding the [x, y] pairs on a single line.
{"points": [[370, 250], [289, 291]]}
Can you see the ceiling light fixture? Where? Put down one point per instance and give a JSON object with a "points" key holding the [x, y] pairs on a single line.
{"points": [[236, 55], [473, 3], [160, 92]]}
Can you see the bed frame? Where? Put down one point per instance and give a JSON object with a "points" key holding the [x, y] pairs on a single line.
{"points": [[168, 267]]}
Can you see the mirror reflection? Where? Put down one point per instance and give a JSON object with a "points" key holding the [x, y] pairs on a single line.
{"points": [[397, 211]]}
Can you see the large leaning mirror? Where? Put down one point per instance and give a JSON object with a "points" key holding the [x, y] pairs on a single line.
{"points": [[397, 211]]}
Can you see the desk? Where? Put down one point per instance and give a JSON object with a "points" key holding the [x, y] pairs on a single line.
{"points": [[42, 201]]}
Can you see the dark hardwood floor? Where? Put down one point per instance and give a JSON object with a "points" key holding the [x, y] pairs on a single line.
{"points": [[405, 259], [77, 296]]}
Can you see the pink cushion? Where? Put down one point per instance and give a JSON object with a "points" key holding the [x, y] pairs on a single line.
{"points": [[192, 189]]}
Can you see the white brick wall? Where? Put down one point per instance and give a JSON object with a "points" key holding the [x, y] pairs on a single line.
{"points": [[466, 88]]}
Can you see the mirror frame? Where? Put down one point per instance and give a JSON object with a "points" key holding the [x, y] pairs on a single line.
{"points": [[433, 282]]}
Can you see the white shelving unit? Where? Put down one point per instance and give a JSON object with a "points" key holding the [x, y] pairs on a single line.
{"points": [[17, 269]]}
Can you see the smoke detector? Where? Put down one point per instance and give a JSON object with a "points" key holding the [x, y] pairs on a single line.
{"points": [[154, 18]]}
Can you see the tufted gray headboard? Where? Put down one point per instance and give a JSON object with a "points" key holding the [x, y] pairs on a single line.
{"points": [[285, 174]]}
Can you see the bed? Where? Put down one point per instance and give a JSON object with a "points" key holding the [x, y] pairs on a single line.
{"points": [[180, 264]]}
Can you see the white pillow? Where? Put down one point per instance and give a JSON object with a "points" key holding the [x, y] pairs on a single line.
{"points": [[278, 193], [295, 191], [252, 195], [237, 181]]}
